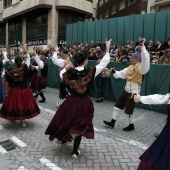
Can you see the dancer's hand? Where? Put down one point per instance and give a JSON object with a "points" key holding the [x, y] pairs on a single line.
{"points": [[108, 43], [56, 48], [136, 98], [113, 70], [143, 40]]}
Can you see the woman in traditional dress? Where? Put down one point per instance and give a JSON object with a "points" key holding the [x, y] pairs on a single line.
{"points": [[157, 156], [19, 104], [74, 117]]}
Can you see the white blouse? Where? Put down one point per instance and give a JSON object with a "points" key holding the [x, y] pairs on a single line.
{"points": [[143, 69], [156, 99], [60, 63]]}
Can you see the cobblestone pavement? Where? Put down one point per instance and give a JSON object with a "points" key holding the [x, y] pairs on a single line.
{"points": [[112, 149]]}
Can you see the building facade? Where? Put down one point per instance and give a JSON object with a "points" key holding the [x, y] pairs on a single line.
{"points": [[118, 8], [40, 22], [158, 6]]}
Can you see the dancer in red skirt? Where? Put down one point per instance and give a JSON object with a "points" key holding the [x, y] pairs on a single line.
{"points": [[19, 104], [74, 117], [41, 77], [157, 156]]}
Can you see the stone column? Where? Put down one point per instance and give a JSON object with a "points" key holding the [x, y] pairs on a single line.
{"points": [[52, 25], [7, 37], [24, 29]]}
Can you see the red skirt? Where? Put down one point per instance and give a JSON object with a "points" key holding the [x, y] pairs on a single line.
{"points": [[74, 116], [37, 82], [19, 104], [33, 81]]}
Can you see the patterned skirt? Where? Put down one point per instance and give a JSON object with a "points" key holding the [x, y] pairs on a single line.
{"points": [[74, 116], [157, 156], [19, 104]]}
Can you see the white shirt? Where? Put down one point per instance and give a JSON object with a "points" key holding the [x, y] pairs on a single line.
{"points": [[103, 63], [5, 59], [39, 63], [156, 99], [132, 87]]}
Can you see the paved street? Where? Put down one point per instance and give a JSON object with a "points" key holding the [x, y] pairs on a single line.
{"points": [[112, 149]]}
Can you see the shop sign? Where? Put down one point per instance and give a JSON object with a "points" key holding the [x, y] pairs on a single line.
{"points": [[37, 42]]}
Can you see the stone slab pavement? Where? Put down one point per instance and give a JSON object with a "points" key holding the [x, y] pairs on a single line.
{"points": [[112, 149]]}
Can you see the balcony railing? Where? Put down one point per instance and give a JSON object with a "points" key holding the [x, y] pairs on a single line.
{"points": [[161, 1]]}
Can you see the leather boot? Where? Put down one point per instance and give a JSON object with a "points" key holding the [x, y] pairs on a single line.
{"points": [[129, 128], [43, 98], [111, 124]]}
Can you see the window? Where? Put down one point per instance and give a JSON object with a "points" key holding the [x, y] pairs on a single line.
{"points": [[2, 35], [7, 3], [37, 26], [101, 16], [131, 2], [113, 10], [100, 3], [121, 5], [106, 15], [15, 31]]}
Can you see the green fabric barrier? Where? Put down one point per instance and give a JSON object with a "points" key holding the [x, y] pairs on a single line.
{"points": [[129, 28], [138, 27], [168, 26], [91, 31], [113, 30], [149, 26], [105, 30], [75, 30], [53, 79], [85, 33], [120, 30], [80, 32], [160, 26], [69, 33], [156, 81], [98, 31]]}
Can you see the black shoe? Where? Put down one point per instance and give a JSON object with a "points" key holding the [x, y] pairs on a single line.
{"points": [[42, 101], [98, 101], [129, 128], [75, 155], [110, 124], [156, 135], [101, 100]]}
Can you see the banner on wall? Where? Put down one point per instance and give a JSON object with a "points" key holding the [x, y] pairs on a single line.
{"points": [[37, 42]]}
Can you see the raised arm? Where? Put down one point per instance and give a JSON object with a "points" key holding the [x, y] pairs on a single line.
{"points": [[37, 59], [56, 60], [153, 99], [145, 63], [105, 60], [27, 61]]}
